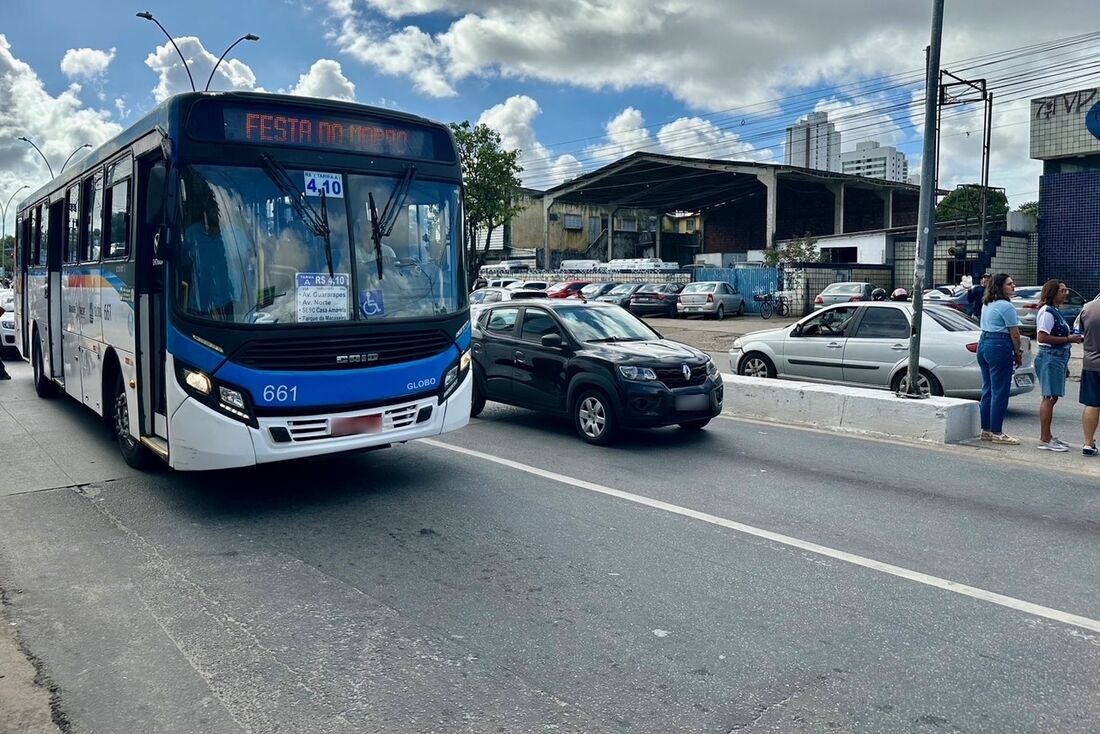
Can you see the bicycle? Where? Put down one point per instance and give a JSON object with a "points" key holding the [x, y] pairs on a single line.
{"points": [[772, 303]]}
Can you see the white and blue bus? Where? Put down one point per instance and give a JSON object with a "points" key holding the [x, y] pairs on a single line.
{"points": [[248, 278]]}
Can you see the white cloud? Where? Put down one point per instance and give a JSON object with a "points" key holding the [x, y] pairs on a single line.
{"points": [[232, 75], [58, 125], [325, 79], [86, 63], [514, 120]]}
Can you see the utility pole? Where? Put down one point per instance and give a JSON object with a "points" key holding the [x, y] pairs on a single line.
{"points": [[926, 215]]}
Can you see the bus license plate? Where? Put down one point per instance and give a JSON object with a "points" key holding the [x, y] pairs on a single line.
{"points": [[692, 402], [357, 425]]}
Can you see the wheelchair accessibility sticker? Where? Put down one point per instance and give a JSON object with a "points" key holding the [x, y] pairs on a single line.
{"points": [[371, 303]]}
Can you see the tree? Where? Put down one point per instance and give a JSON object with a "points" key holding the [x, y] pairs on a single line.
{"points": [[491, 175], [1029, 207], [965, 202], [801, 250]]}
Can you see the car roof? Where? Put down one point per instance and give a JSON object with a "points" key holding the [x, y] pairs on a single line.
{"points": [[553, 304]]}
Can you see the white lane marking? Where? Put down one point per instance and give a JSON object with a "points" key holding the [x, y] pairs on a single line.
{"points": [[856, 560]]}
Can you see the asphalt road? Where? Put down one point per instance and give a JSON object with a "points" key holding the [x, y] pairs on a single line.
{"points": [[511, 578]]}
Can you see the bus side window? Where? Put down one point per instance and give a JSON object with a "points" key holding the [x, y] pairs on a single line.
{"points": [[118, 208], [43, 242], [92, 232], [71, 243]]}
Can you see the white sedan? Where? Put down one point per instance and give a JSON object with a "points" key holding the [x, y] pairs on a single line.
{"points": [[867, 345]]}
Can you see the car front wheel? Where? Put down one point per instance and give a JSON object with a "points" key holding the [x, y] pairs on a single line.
{"points": [[755, 364], [594, 418], [477, 400]]}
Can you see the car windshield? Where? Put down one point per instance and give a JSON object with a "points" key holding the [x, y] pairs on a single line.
{"points": [[1026, 293], [699, 287], [604, 325], [622, 290], [247, 254], [591, 290], [952, 320], [844, 288], [651, 288]]}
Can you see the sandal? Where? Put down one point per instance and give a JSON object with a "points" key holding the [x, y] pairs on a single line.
{"points": [[1005, 439]]}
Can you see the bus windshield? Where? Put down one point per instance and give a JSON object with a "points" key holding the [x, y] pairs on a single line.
{"points": [[248, 255]]}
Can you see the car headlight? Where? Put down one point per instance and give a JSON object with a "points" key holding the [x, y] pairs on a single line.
{"points": [[10, 325], [712, 368], [641, 374], [736, 344]]}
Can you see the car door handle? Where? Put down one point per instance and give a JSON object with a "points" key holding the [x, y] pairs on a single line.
{"points": [[519, 357], [834, 345], [900, 347]]}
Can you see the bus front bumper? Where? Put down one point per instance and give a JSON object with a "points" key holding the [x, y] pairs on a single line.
{"points": [[200, 438]]}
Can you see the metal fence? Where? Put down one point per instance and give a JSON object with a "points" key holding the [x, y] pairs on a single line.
{"points": [[805, 280]]}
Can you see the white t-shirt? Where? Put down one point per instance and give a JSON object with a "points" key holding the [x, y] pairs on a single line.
{"points": [[1044, 322]]}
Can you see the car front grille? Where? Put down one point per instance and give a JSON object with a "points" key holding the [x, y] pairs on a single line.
{"points": [[336, 353], [674, 376]]}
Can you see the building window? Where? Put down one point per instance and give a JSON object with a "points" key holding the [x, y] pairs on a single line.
{"points": [[690, 226], [627, 225], [573, 221]]}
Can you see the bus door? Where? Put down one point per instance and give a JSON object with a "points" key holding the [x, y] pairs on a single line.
{"points": [[53, 362], [22, 251], [149, 297]]}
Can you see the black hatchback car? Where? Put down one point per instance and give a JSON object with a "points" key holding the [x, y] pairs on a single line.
{"points": [[595, 362]]}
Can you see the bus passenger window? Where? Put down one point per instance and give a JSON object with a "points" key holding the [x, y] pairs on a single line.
{"points": [[119, 243], [71, 241], [93, 223]]}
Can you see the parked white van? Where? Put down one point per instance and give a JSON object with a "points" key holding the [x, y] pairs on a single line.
{"points": [[580, 266]]}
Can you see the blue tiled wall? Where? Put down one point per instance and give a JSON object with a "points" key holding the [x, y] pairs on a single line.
{"points": [[1069, 230]]}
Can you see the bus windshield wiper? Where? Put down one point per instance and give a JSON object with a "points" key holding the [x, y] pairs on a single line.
{"points": [[318, 223], [380, 227]]}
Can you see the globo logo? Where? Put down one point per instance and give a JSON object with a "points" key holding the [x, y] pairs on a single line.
{"points": [[1092, 120], [421, 384]]}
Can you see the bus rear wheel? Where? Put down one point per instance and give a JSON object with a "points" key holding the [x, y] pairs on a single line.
{"points": [[131, 449], [44, 386]]}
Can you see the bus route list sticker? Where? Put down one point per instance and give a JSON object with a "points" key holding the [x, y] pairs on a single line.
{"points": [[323, 297]]}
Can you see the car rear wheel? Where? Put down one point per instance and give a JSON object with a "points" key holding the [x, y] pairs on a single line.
{"points": [[695, 425], [926, 381], [720, 313], [755, 364], [741, 309], [594, 418]]}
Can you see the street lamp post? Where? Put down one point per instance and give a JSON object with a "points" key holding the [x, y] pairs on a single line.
{"points": [[30, 142], [149, 16], [246, 37], [4, 222], [79, 148]]}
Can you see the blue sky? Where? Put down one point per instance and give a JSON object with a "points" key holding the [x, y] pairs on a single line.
{"points": [[575, 84]]}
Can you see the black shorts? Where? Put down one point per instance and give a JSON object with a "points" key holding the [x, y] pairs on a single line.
{"points": [[1090, 388]]}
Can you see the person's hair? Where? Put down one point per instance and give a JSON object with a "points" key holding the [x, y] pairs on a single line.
{"points": [[995, 291], [1050, 290]]}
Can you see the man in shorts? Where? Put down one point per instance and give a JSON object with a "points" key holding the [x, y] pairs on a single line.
{"points": [[1089, 324]]}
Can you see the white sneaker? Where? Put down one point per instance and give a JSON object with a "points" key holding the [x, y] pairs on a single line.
{"points": [[1052, 445], [1059, 441]]}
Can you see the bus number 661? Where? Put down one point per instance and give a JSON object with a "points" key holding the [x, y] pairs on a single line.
{"points": [[280, 393]]}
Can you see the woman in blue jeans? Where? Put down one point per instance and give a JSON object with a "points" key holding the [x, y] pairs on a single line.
{"points": [[999, 353]]}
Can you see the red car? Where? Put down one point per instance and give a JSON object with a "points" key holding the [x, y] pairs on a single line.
{"points": [[566, 289]]}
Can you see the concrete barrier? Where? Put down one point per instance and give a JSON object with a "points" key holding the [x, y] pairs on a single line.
{"points": [[851, 409]]}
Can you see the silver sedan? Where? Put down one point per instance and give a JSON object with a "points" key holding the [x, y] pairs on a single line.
{"points": [[867, 345], [710, 298]]}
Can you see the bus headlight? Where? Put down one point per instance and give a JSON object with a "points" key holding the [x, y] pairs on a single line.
{"points": [[227, 399], [197, 381], [455, 374]]}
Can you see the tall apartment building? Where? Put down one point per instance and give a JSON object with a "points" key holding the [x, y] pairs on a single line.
{"points": [[813, 142], [875, 161]]}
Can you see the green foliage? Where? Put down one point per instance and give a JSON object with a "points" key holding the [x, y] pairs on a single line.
{"points": [[801, 250], [965, 203], [1029, 207], [491, 176]]}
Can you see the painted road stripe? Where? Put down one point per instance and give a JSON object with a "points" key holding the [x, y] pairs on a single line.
{"points": [[904, 573]]}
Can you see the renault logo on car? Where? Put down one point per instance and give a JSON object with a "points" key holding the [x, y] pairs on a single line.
{"points": [[686, 370]]}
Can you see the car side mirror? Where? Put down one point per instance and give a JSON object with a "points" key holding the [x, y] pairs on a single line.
{"points": [[797, 331], [552, 340]]}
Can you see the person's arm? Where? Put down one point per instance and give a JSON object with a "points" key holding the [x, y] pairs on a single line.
{"points": [[1017, 346]]}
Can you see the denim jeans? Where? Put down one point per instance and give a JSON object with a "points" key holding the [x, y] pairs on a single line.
{"points": [[996, 358]]}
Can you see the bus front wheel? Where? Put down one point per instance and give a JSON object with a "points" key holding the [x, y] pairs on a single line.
{"points": [[132, 451]]}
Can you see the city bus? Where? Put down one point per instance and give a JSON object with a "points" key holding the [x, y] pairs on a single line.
{"points": [[244, 278]]}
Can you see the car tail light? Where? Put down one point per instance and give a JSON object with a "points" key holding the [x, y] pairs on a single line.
{"points": [[819, 299], [710, 298], [972, 347]]}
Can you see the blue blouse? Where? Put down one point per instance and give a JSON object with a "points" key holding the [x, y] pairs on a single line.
{"points": [[999, 316]]}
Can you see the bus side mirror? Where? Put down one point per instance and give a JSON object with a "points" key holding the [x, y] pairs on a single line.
{"points": [[161, 249], [154, 194]]}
